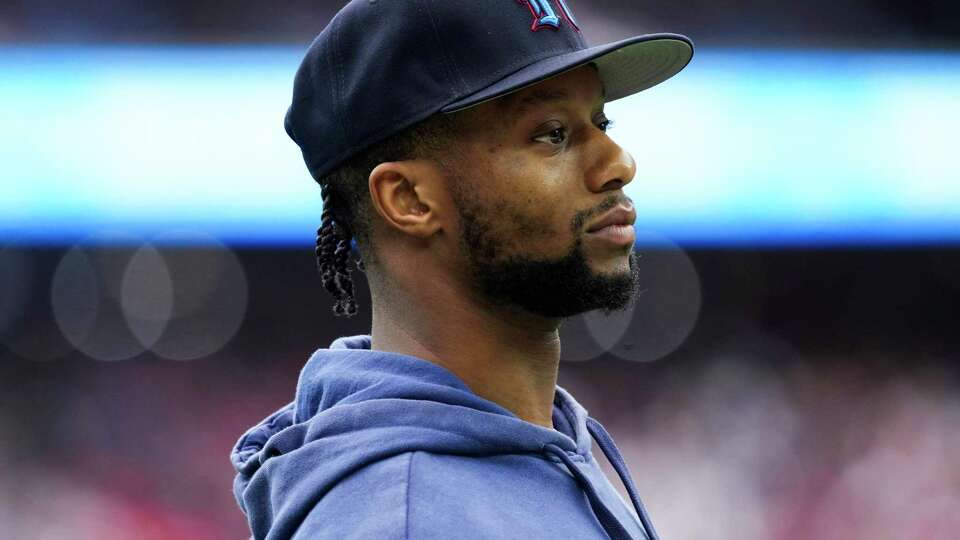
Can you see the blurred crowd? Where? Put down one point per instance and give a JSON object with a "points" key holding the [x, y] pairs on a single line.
{"points": [[734, 448]]}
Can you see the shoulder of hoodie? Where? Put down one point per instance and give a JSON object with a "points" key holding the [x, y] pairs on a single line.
{"points": [[387, 499]]}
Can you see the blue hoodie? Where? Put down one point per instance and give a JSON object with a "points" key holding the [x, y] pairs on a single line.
{"points": [[386, 446]]}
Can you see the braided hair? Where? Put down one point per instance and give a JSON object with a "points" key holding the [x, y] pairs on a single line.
{"points": [[334, 239]]}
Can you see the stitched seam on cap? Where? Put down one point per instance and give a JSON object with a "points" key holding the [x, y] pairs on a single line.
{"points": [[450, 65], [338, 78], [574, 37]]}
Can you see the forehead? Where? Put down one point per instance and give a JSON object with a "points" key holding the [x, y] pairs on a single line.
{"points": [[580, 85]]}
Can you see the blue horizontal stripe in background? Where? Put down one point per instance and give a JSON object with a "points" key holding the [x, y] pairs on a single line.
{"points": [[744, 147]]}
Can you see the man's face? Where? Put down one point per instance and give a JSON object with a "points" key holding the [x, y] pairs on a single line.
{"points": [[535, 172]]}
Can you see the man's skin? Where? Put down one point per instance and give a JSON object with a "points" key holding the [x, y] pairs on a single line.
{"points": [[513, 189]]}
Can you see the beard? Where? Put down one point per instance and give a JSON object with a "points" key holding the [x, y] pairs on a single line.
{"points": [[559, 287]]}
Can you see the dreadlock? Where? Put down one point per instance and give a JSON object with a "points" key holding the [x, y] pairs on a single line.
{"points": [[333, 251], [347, 208]]}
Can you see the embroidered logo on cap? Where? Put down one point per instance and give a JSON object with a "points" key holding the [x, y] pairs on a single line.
{"points": [[545, 15]]}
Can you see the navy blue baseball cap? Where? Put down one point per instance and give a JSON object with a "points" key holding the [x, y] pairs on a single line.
{"points": [[381, 66]]}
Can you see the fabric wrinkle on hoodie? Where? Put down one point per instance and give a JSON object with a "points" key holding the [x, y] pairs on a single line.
{"points": [[383, 445]]}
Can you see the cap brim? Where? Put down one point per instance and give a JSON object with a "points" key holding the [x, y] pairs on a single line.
{"points": [[626, 67]]}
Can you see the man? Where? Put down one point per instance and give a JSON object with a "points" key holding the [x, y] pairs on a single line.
{"points": [[463, 146]]}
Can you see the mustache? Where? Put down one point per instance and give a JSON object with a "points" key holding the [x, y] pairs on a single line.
{"points": [[581, 218]]}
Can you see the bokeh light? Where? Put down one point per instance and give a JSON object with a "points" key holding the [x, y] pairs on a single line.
{"points": [[655, 323], [87, 296], [668, 306], [115, 296], [209, 296], [146, 295]]}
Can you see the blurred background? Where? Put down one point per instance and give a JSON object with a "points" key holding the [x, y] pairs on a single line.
{"points": [[789, 372]]}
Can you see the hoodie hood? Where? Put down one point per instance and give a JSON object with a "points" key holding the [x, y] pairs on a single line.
{"points": [[354, 406]]}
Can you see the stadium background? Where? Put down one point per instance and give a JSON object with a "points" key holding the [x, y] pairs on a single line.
{"points": [[789, 372]]}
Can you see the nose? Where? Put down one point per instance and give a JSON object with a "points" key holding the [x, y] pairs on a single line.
{"points": [[612, 167]]}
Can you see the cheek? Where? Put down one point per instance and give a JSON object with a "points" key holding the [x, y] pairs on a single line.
{"points": [[527, 202], [541, 202], [533, 221], [528, 222]]}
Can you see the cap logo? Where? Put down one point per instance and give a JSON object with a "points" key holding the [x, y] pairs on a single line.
{"points": [[544, 14]]}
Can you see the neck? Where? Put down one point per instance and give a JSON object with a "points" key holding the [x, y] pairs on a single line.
{"points": [[502, 354]]}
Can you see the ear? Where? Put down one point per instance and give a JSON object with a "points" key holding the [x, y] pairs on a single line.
{"points": [[408, 196]]}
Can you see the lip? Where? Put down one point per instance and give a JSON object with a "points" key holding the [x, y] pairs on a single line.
{"points": [[620, 235], [620, 215]]}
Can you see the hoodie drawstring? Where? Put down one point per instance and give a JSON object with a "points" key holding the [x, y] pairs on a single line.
{"points": [[605, 442], [608, 521]]}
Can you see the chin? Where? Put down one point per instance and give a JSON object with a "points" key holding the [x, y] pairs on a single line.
{"points": [[616, 265]]}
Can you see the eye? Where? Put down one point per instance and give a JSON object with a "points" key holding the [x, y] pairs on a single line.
{"points": [[555, 136]]}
